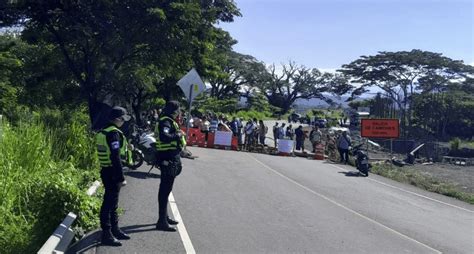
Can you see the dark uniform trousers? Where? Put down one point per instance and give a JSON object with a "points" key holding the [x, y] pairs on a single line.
{"points": [[108, 211], [169, 170]]}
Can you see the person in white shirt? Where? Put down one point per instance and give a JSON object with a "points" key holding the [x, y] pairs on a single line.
{"points": [[343, 144]]}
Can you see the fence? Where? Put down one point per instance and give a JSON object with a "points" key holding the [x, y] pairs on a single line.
{"points": [[430, 149]]}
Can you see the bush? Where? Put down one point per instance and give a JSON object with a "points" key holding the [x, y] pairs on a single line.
{"points": [[246, 115], [205, 104], [455, 144], [45, 173]]}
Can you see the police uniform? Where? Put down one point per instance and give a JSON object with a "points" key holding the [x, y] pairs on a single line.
{"points": [[169, 144], [112, 150]]}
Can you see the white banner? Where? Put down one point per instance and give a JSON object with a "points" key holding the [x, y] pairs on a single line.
{"points": [[223, 138], [285, 145]]}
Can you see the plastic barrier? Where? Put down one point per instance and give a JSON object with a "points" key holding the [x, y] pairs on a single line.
{"points": [[235, 143], [219, 144], [285, 147], [195, 137], [319, 152], [210, 140]]}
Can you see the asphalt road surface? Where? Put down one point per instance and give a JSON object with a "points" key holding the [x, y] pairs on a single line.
{"points": [[236, 202]]}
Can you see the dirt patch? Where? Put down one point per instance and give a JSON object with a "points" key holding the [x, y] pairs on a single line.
{"points": [[462, 177]]}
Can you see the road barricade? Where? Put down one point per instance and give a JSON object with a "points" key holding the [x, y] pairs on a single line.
{"points": [[319, 152], [285, 147], [195, 137], [223, 140], [235, 143], [210, 140]]}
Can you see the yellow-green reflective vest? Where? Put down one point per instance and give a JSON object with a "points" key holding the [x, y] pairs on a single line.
{"points": [[103, 149], [173, 145]]}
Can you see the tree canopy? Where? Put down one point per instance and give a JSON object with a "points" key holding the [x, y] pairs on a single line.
{"points": [[299, 82], [97, 38], [401, 74]]}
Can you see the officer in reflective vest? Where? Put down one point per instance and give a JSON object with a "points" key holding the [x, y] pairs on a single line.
{"points": [[170, 141], [112, 150]]}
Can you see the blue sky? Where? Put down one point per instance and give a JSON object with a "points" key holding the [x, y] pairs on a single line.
{"points": [[325, 34]]}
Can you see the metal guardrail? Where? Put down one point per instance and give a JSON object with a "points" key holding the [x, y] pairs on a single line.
{"points": [[59, 241]]}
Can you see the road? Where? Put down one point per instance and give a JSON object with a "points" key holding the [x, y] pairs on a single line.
{"points": [[236, 202]]}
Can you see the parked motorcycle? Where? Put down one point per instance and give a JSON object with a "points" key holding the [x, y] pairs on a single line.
{"points": [[361, 159], [144, 148]]}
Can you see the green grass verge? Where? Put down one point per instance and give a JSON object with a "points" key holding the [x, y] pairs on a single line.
{"points": [[467, 144], [423, 181], [46, 170]]}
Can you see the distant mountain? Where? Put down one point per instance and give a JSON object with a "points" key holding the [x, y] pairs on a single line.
{"points": [[317, 103]]}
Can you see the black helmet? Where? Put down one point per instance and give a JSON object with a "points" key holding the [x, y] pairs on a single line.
{"points": [[171, 108], [118, 112]]}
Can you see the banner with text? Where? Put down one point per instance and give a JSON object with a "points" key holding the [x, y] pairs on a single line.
{"points": [[380, 128]]}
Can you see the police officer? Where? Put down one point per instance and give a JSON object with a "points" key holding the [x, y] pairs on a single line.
{"points": [[112, 149], [170, 141]]}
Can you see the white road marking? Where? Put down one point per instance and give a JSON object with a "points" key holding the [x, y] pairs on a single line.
{"points": [[410, 192], [344, 207], [188, 245]]}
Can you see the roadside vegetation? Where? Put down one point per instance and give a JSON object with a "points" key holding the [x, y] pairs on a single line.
{"points": [[47, 164], [421, 180]]}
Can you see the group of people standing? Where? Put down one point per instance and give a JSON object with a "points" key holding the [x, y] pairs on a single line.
{"points": [[114, 153], [298, 134], [253, 132], [340, 142]]}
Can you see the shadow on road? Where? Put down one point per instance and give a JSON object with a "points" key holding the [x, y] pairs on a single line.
{"points": [[141, 175], [139, 228], [90, 241], [351, 173]]}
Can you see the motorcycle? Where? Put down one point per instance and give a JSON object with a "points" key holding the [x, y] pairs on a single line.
{"points": [[144, 148], [361, 160]]}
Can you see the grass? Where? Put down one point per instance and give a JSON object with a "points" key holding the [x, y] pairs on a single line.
{"points": [[423, 181], [45, 172], [467, 144]]}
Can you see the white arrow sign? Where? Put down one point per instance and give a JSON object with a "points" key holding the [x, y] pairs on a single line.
{"points": [[191, 84]]}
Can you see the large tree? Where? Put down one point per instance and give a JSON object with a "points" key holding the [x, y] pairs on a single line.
{"points": [[447, 113], [97, 37], [299, 82], [238, 74], [401, 74]]}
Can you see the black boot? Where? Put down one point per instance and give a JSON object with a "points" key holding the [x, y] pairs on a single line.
{"points": [[164, 226], [109, 239], [171, 221], [119, 234]]}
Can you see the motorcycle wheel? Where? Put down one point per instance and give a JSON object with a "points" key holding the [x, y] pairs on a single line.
{"points": [[364, 169], [138, 159]]}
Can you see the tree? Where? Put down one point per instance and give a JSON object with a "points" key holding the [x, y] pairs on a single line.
{"points": [[298, 82], [447, 113], [9, 63], [402, 74], [138, 86], [239, 74], [96, 38]]}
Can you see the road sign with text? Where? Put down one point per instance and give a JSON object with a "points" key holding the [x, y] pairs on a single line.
{"points": [[380, 128]]}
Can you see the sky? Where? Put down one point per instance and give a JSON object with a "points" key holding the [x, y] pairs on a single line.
{"points": [[326, 34]]}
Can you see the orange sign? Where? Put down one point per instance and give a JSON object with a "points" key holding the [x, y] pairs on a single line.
{"points": [[380, 128]]}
